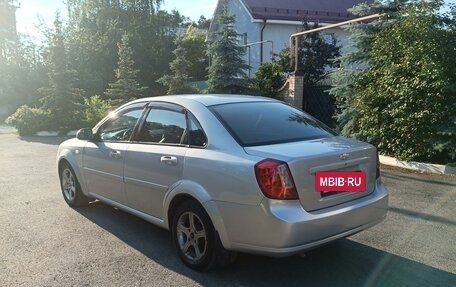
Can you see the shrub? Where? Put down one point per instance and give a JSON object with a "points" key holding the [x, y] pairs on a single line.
{"points": [[268, 79], [29, 121]]}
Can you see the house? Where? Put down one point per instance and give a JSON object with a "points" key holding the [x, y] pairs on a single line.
{"points": [[266, 25]]}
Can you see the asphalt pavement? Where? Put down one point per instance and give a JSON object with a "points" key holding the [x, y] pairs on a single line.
{"points": [[43, 242]]}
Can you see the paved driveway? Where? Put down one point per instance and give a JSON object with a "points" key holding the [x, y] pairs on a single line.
{"points": [[43, 242]]}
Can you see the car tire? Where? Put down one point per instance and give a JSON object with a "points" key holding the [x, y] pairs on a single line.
{"points": [[71, 188], [196, 241]]}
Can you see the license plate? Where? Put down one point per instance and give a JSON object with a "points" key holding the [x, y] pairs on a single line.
{"points": [[340, 181]]}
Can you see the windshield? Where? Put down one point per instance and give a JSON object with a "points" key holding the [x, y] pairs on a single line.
{"points": [[262, 123]]}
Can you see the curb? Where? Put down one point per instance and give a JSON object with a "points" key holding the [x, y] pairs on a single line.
{"points": [[417, 166], [11, 130], [55, 134], [7, 130]]}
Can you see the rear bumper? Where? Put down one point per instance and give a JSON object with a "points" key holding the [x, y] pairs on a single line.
{"points": [[281, 228]]}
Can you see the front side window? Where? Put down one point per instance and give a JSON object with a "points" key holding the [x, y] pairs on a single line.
{"points": [[121, 126], [164, 126]]}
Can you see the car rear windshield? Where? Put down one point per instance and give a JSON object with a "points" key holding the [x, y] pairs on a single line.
{"points": [[263, 123]]}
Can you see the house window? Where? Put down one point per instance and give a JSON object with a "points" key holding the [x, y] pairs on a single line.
{"points": [[242, 39]]}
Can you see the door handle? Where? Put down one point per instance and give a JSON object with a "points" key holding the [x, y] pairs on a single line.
{"points": [[115, 154], [170, 160]]}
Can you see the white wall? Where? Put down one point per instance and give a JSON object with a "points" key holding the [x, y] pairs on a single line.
{"points": [[244, 25], [279, 34]]}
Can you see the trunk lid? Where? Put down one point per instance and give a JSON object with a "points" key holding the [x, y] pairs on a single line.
{"points": [[305, 158]]}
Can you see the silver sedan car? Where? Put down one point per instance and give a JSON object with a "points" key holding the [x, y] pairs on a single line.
{"points": [[226, 173]]}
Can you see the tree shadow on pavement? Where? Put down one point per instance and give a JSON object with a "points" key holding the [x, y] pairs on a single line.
{"points": [[434, 180], [422, 215], [342, 263]]}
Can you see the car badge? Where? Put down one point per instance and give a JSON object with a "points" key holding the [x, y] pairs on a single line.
{"points": [[344, 156]]}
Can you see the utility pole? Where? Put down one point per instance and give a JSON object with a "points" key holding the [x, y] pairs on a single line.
{"points": [[294, 40]]}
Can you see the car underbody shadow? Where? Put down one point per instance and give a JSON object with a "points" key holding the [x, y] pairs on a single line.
{"points": [[341, 263]]}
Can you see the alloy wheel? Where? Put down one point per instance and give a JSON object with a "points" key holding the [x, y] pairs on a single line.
{"points": [[191, 236], [68, 184]]}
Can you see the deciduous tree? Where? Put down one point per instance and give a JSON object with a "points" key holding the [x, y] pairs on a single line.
{"points": [[407, 97], [357, 58], [194, 43], [402, 95], [316, 55], [95, 27]]}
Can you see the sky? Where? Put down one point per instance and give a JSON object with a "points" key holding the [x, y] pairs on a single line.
{"points": [[33, 13]]}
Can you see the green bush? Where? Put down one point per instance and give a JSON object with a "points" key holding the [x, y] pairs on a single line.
{"points": [[268, 79], [406, 99], [29, 121], [95, 108], [404, 102]]}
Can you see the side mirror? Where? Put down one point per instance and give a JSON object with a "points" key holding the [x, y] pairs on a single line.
{"points": [[85, 134]]}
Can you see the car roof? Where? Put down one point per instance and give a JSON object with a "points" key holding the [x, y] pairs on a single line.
{"points": [[208, 99]]}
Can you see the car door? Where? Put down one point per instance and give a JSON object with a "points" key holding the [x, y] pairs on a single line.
{"points": [[155, 158], [103, 158]]}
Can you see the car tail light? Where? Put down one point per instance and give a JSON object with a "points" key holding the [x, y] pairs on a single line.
{"points": [[378, 166], [275, 180]]}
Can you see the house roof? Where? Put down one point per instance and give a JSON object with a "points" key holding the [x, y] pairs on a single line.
{"points": [[324, 11], [321, 11]]}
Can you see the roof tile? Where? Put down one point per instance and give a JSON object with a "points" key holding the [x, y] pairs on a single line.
{"points": [[327, 11]]}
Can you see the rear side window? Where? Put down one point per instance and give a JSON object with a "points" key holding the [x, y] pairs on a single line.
{"points": [[197, 137], [163, 126], [262, 123]]}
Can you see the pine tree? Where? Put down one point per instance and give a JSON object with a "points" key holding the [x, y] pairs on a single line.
{"points": [[61, 98], [227, 72], [180, 67], [126, 87]]}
